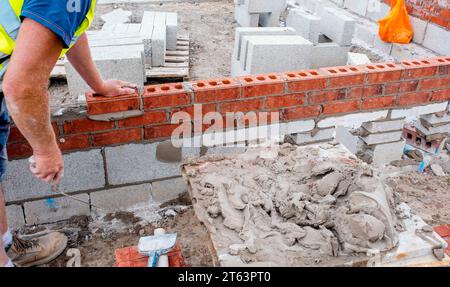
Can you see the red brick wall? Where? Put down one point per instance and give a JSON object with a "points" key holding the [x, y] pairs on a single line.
{"points": [[435, 11], [295, 95]]}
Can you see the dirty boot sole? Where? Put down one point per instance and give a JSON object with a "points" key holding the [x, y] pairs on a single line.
{"points": [[46, 259]]}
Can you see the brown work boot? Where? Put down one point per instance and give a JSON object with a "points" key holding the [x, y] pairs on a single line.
{"points": [[37, 251]]}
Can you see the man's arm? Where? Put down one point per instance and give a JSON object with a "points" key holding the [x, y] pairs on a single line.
{"points": [[80, 58], [25, 87]]}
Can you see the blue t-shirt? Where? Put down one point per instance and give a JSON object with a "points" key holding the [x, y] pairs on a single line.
{"points": [[63, 17]]}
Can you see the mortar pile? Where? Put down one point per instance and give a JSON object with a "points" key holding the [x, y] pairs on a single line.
{"points": [[304, 203]]}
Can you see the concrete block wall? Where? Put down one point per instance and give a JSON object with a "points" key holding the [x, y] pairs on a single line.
{"points": [[103, 157]]}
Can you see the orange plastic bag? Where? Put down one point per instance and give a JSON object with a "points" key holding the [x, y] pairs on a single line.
{"points": [[396, 27]]}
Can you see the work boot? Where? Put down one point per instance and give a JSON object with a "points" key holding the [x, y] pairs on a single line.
{"points": [[37, 251]]}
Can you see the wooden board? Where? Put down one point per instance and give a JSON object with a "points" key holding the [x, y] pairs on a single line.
{"points": [[176, 65]]}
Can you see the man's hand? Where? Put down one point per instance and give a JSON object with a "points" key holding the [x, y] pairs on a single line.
{"points": [[113, 88], [48, 166]]}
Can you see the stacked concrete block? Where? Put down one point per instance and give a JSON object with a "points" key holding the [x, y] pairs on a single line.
{"points": [[112, 63], [172, 31], [429, 132], [159, 43], [268, 54], [329, 55], [236, 67], [307, 25], [381, 141], [254, 13], [337, 25]]}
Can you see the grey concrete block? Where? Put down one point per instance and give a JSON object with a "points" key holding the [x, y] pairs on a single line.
{"points": [[159, 43], [147, 24], [245, 19], [366, 33], [356, 59], [226, 150], [167, 190], [82, 171], [318, 136], [442, 129], [270, 19], [57, 209], [382, 47], [15, 216], [137, 163], [112, 63], [377, 10], [384, 126], [386, 153], [340, 3], [255, 31], [436, 120], [172, 30], [269, 54], [357, 6], [117, 16], [337, 25], [262, 6], [348, 140], [437, 39], [307, 25], [107, 39], [122, 198], [329, 55], [124, 29], [410, 51], [387, 137], [419, 27]]}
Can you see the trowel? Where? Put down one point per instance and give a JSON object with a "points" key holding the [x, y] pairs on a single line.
{"points": [[155, 246]]}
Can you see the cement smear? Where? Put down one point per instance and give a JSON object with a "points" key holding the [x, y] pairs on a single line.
{"points": [[302, 206]]}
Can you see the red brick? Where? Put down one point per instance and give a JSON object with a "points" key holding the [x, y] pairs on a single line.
{"points": [[378, 103], [372, 90], [307, 80], [383, 73], [216, 90], [413, 98], [355, 93], [392, 88], [435, 83], [242, 106], [442, 95], [262, 85], [146, 119], [340, 107], [276, 102], [166, 95], [302, 112], [97, 105], [74, 142], [19, 150], [443, 64], [419, 69], [205, 108], [402, 87], [345, 76], [117, 137], [160, 131], [85, 125], [326, 96], [443, 230], [15, 135]]}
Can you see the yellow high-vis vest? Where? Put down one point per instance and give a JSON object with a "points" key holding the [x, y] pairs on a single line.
{"points": [[10, 23]]}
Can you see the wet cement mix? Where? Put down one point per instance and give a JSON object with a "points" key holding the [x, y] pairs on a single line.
{"points": [[293, 206]]}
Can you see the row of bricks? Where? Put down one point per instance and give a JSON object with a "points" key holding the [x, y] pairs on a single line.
{"points": [[329, 102], [403, 77], [98, 134]]}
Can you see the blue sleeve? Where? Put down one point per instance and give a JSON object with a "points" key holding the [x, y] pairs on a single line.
{"points": [[62, 17]]}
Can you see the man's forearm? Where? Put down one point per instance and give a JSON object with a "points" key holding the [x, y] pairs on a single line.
{"points": [[80, 58], [26, 82]]}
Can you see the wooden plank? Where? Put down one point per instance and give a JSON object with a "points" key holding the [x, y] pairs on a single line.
{"points": [[164, 72], [177, 53], [176, 59]]}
